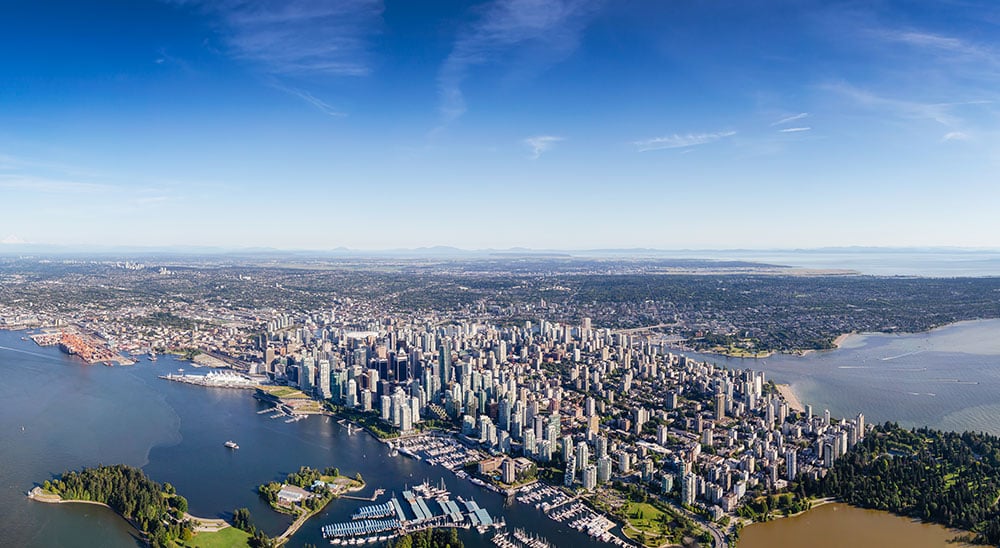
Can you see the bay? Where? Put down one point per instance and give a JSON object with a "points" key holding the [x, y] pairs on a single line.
{"points": [[75, 415], [838, 525], [947, 378]]}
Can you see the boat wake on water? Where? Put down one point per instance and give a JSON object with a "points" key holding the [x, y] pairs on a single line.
{"points": [[903, 355]]}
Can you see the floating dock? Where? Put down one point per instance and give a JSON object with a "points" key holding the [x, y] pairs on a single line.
{"points": [[412, 515]]}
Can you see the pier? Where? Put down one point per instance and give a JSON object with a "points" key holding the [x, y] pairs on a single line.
{"points": [[217, 379], [358, 528], [377, 511], [425, 507], [378, 493]]}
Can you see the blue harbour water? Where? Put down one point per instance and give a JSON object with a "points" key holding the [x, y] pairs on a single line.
{"points": [[75, 415], [947, 378]]}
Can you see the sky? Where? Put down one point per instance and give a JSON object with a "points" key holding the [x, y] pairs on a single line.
{"points": [[546, 124]]}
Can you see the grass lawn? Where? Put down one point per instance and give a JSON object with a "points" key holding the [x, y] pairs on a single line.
{"points": [[230, 536], [284, 392], [650, 520], [346, 481]]}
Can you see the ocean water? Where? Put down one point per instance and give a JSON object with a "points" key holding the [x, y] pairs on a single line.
{"points": [[947, 378], [936, 263], [74, 415], [839, 525]]}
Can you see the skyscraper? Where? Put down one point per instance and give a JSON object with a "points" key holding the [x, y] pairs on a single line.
{"points": [[603, 469], [590, 477], [570, 474], [444, 362], [306, 375], [582, 455], [688, 489], [324, 379]]}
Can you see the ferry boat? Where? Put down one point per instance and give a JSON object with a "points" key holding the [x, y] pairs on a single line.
{"points": [[231, 444]]}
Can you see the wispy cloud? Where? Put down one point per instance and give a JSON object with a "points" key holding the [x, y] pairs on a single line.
{"points": [[940, 44], [164, 58], [681, 141], [16, 164], [551, 28], [955, 136], [298, 37], [942, 113], [925, 60], [77, 184], [789, 119], [795, 129], [541, 144], [311, 99], [48, 185]]}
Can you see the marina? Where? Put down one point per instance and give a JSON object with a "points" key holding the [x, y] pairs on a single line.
{"points": [[424, 507], [561, 508], [520, 538], [223, 479], [438, 450]]}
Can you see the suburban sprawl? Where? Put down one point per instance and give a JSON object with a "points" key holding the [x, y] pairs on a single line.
{"points": [[565, 385]]}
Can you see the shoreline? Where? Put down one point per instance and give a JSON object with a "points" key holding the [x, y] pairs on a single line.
{"points": [[790, 397], [813, 504], [301, 519], [833, 500], [199, 525]]}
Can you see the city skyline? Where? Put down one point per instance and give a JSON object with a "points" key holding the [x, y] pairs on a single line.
{"points": [[542, 124]]}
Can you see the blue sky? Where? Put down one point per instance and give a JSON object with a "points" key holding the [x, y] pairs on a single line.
{"points": [[558, 124]]}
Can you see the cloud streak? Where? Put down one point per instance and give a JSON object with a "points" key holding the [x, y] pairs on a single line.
{"points": [[955, 48], [795, 129], [311, 99], [793, 118], [942, 113], [550, 28], [681, 141], [49, 186], [541, 144], [298, 37]]}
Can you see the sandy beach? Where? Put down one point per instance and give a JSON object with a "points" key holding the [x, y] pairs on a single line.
{"points": [[840, 340], [793, 401]]}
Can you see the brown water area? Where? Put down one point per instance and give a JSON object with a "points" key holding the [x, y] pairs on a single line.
{"points": [[839, 525]]}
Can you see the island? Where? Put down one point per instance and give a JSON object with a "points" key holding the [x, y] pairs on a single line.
{"points": [[305, 493], [154, 509]]}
